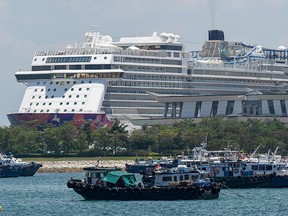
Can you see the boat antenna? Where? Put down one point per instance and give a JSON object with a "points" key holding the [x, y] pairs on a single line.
{"points": [[274, 153], [252, 155]]}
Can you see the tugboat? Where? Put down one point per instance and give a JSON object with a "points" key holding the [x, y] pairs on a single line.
{"points": [[113, 184]]}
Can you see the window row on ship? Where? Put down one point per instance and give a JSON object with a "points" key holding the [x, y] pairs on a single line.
{"points": [[132, 104], [146, 69], [58, 110], [138, 91], [160, 61], [237, 73], [142, 111], [53, 96], [68, 76]]}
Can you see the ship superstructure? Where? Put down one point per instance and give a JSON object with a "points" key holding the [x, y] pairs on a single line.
{"points": [[103, 78]]}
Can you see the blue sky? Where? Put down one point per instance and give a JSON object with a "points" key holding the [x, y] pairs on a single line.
{"points": [[33, 25]]}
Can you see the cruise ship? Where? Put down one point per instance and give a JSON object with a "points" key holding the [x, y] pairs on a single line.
{"points": [[99, 79]]}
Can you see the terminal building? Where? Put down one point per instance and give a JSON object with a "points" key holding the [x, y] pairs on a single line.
{"points": [[254, 104]]}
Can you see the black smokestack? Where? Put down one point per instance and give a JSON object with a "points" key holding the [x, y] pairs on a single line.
{"points": [[216, 35]]}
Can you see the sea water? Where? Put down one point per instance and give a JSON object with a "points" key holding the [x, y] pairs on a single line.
{"points": [[47, 194]]}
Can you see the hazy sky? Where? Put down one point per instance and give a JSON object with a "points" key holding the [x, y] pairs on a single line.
{"points": [[33, 25]]}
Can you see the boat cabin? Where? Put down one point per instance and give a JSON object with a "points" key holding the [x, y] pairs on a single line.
{"points": [[94, 174], [179, 174]]}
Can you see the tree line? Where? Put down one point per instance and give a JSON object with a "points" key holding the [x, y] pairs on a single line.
{"points": [[179, 138]]}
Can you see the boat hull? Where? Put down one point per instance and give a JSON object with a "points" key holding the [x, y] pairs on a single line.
{"points": [[91, 192], [35, 119], [30, 169], [261, 181], [9, 171]]}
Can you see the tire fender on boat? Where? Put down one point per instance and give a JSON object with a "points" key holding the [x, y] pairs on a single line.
{"points": [[137, 190], [114, 191]]}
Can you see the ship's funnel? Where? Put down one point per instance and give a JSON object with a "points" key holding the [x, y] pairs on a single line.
{"points": [[216, 35]]}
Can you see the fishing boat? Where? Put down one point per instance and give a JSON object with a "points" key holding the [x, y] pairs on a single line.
{"points": [[142, 166], [110, 184], [234, 170]]}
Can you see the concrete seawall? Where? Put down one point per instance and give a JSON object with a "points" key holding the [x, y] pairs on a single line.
{"points": [[77, 166]]}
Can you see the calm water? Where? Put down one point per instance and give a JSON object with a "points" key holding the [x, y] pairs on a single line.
{"points": [[47, 194]]}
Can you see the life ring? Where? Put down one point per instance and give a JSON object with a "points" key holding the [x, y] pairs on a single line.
{"points": [[114, 191], [236, 170]]}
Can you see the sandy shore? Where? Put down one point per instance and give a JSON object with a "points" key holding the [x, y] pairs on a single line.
{"points": [[77, 166]]}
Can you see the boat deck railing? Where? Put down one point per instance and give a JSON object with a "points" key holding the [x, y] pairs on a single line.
{"points": [[97, 51]]}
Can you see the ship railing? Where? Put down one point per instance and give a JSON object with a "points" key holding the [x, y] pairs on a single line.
{"points": [[229, 67], [97, 51]]}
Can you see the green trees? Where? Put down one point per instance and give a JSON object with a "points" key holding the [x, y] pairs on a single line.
{"points": [[161, 139]]}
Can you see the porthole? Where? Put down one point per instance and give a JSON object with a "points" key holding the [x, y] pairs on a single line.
{"points": [[80, 89], [51, 83], [83, 103], [85, 96], [52, 96], [65, 110], [68, 82], [65, 89], [35, 90], [95, 57], [75, 103], [54, 89], [63, 96], [37, 104], [38, 83], [47, 110], [34, 111], [82, 81], [46, 96], [74, 82], [39, 97], [44, 83], [61, 103], [43, 59], [42, 90], [67, 103], [70, 96], [105, 57], [35, 59], [41, 111], [77, 96], [33, 97], [81, 110], [48, 90], [72, 89], [57, 83], [31, 104], [87, 89], [50, 103], [44, 104], [90, 81], [73, 110]]}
